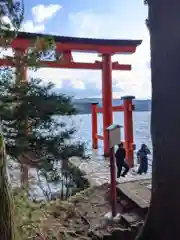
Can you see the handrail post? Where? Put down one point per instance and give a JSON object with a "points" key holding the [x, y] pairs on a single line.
{"points": [[94, 125]]}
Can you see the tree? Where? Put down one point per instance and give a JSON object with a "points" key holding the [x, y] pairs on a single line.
{"points": [[13, 11], [49, 138], [163, 218], [11, 16]]}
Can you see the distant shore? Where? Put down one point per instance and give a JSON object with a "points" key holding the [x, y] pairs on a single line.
{"points": [[83, 106]]}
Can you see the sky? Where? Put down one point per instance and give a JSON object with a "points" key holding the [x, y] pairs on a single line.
{"points": [[117, 19]]}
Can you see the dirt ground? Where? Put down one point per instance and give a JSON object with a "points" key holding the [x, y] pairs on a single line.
{"points": [[81, 217]]}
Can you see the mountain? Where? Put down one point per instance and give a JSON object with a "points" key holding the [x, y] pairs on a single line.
{"points": [[84, 105]]}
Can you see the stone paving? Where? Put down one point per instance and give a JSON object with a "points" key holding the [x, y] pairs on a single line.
{"points": [[97, 171]]}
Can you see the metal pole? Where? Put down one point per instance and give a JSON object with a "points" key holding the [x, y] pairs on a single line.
{"points": [[94, 125], [113, 181]]}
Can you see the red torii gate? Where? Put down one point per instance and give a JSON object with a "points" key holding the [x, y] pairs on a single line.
{"points": [[67, 45]]}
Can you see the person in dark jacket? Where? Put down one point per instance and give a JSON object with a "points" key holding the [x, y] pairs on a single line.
{"points": [[120, 161], [143, 159]]}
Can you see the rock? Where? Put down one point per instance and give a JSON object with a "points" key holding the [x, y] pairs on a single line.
{"points": [[108, 219], [130, 218]]}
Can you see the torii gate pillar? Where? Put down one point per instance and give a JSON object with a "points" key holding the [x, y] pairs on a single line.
{"points": [[107, 98]]}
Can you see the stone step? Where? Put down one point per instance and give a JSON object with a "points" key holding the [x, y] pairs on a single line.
{"points": [[131, 218]]}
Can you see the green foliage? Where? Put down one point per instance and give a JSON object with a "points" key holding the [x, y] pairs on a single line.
{"points": [[11, 17], [35, 109], [40, 48], [14, 10]]}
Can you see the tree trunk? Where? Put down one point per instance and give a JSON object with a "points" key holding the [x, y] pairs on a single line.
{"points": [[163, 219], [24, 176], [6, 202], [21, 77]]}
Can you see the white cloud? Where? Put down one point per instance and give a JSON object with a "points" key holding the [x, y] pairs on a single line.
{"points": [[29, 26], [89, 24], [40, 14], [136, 82], [44, 12]]}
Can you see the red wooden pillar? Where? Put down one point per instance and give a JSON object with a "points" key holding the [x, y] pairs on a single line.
{"points": [[94, 125], [107, 98], [128, 129]]}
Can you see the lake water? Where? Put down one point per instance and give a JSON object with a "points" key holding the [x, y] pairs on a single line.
{"points": [[141, 126]]}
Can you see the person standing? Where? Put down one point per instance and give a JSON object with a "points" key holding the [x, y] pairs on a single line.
{"points": [[143, 159], [120, 161]]}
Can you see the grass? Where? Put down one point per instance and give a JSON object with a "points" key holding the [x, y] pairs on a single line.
{"points": [[60, 220], [28, 216]]}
